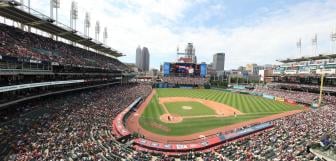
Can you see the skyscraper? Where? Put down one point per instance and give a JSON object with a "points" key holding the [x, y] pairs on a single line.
{"points": [[138, 61], [190, 53], [145, 58], [218, 62], [142, 59]]}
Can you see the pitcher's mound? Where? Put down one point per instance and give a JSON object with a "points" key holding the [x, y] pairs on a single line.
{"points": [[171, 118], [186, 107]]}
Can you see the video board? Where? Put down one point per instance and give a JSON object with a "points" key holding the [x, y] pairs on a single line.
{"points": [[184, 69]]}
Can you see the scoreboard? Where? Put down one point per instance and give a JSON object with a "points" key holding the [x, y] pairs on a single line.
{"points": [[184, 69]]}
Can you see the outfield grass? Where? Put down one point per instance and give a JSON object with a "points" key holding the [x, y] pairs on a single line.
{"points": [[197, 109], [252, 106]]}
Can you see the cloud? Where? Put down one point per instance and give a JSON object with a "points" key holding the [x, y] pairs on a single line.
{"points": [[161, 26], [272, 36]]}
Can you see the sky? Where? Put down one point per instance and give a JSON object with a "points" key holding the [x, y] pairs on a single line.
{"points": [[248, 31]]}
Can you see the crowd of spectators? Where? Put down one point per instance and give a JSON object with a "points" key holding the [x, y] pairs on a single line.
{"points": [[25, 45], [289, 139], [77, 126], [73, 127], [185, 80], [301, 86], [299, 96]]}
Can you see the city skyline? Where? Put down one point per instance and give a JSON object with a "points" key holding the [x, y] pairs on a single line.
{"points": [[142, 60], [267, 30]]}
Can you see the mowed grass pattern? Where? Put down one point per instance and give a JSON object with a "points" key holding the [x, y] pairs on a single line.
{"points": [[253, 107], [242, 102], [197, 109]]}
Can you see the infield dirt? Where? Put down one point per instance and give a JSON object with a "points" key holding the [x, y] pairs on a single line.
{"points": [[134, 126]]}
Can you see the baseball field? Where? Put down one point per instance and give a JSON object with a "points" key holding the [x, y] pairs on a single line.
{"points": [[179, 112]]}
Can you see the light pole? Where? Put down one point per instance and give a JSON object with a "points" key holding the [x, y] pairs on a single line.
{"points": [[105, 35], [298, 45], [87, 25], [314, 44], [333, 39], [97, 30], [54, 4], [73, 14]]}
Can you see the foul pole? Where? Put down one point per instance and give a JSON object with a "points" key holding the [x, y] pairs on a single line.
{"points": [[321, 90]]}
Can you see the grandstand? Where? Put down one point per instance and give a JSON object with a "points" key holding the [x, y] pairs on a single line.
{"points": [[74, 100], [27, 58], [307, 70]]}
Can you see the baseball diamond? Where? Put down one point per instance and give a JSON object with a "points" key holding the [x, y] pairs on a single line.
{"points": [[225, 108]]}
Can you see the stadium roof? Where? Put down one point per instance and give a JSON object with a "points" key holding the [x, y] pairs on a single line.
{"points": [[10, 9], [318, 57]]}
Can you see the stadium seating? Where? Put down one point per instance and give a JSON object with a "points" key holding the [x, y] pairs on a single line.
{"points": [[77, 126], [305, 87], [16, 43], [27, 58]]}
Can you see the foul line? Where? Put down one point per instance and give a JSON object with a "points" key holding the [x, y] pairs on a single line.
{"points": [[164, 108]]}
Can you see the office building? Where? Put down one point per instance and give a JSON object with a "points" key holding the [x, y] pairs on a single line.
{"points": [[138, 61], [145, 59], [142, 59], [218, 62]]}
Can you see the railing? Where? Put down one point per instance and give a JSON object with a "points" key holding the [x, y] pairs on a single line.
{"points": [[3, 71]]}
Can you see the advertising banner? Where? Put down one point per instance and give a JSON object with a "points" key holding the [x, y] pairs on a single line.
{"points": [[238, 87], [203, 70], [290, 101], [166, 68], [268, 96], [279, 99]]}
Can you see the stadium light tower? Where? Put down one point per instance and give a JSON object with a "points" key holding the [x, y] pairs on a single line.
{"points": [[314, 44], [105, 35], [87, 24], [29, 13], [54, 4], [298, 45], [97, 30], [73, 14], [333, 39], [22, 7]]}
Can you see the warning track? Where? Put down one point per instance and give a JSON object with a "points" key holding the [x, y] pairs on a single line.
{"points": [[133, 122]]}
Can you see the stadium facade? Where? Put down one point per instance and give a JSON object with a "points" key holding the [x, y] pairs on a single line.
{"points": [[307, 70]]}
